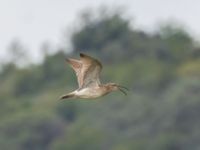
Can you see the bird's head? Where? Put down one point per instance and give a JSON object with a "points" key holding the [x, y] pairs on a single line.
{"points": [[116, 87]]}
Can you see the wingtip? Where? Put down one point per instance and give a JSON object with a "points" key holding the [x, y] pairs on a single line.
{"points": [[67, 59], [82, 55]]}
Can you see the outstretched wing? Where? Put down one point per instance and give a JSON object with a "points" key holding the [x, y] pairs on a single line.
{"points": [[76, 66], [90, 71], [87, 70]]}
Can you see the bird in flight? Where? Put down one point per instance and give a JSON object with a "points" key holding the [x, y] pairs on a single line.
{"points": [[87, 71]]}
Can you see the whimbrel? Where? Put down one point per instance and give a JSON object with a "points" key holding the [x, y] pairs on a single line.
{"points": [[87, 70]]}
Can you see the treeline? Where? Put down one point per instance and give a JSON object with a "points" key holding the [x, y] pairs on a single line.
{"points": [[161, 69]]}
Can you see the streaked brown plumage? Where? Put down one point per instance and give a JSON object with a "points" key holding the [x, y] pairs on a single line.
{"points": [[87, 70]]}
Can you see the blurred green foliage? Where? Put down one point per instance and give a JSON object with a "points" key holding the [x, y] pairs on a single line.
{"points": [[161, 111]]}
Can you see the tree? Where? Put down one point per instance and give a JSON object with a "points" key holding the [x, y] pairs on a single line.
{"points": [[104, 35], [18, 53], [178, 42]]}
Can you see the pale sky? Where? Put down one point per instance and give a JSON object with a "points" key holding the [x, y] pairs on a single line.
{"points": [[36, 21]]}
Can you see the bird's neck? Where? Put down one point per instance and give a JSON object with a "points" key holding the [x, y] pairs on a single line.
{"points": [[106, 87]]}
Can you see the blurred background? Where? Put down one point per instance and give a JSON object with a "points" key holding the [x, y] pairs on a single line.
{"points": [[152, 48]]}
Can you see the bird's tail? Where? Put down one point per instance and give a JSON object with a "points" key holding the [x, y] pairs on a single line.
{"points": [[70, 95]]}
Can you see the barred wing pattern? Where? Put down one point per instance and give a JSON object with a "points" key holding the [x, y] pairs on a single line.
{"points": [[87, 70]]}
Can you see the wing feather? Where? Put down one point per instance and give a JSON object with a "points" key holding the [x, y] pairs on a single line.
{"points": [[91, 70], [76, 66], [87, 70]]}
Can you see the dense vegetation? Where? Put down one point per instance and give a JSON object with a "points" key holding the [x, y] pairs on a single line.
{"points": [[161, 111]]}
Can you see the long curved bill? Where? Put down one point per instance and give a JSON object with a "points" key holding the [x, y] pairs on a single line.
{"points": [[122, 89]]}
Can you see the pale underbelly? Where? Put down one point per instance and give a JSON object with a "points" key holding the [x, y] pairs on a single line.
{"points": [[90, 93]]}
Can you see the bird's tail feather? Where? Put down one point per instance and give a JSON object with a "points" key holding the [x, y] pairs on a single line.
{"points": [[70, 95]]}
